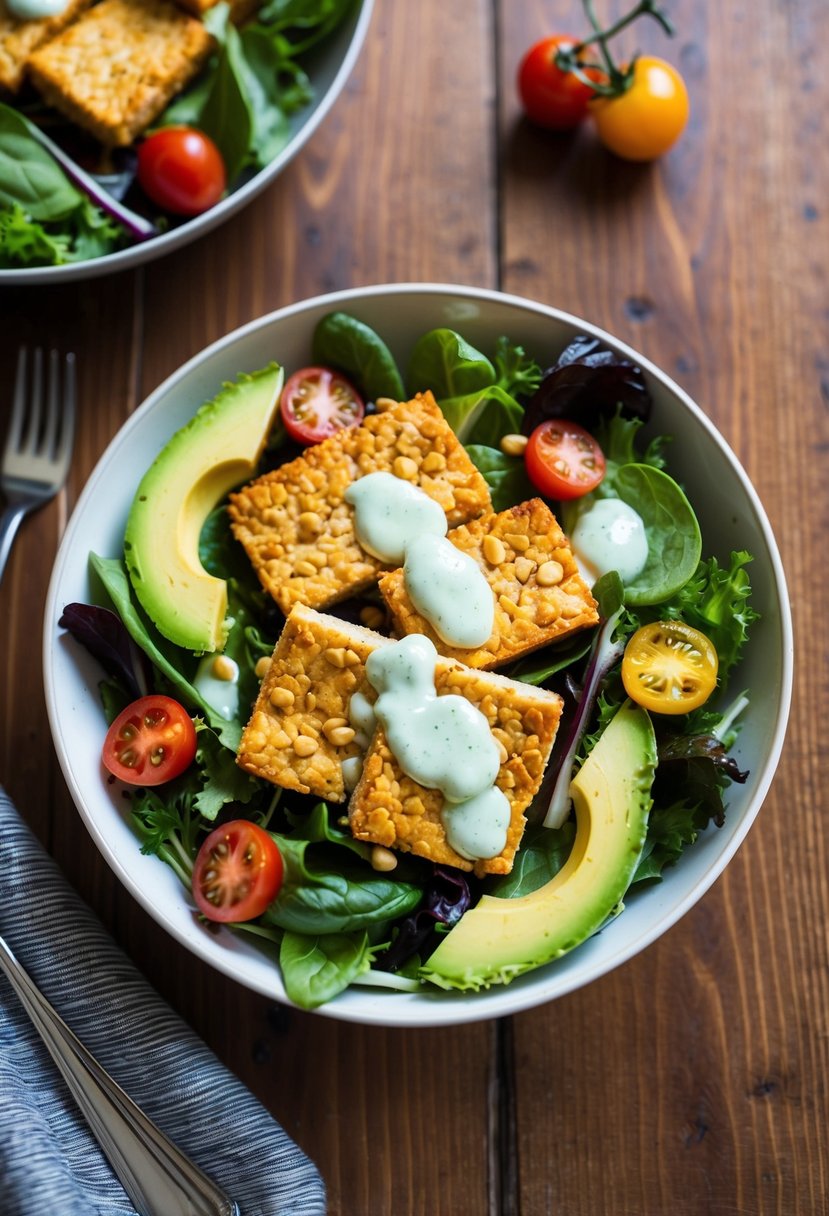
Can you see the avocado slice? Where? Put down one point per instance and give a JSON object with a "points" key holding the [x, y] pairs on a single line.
{"points": [[218, 449], [499, 939]]}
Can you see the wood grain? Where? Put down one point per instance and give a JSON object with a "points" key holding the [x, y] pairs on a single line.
{"points": [[693, 1080]]}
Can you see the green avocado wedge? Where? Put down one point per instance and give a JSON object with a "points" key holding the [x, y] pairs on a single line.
{"points": [[499, 939], [217, 450]]}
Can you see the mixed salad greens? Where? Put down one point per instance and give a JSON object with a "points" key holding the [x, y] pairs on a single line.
{"points": [[243, 101], [335, 919]]}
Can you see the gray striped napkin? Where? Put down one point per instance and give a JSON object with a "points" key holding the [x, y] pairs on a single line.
{"points": [[50, 1164]]}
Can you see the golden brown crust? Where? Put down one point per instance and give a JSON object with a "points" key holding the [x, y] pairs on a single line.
{"points": [[391, 809], [300, 733], [116, 96], [296, 527], [19, 38], [538, 591], [317, 665]]}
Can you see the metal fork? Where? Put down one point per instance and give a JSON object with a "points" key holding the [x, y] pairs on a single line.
{"points": [[38, 448], [156, 1175]]}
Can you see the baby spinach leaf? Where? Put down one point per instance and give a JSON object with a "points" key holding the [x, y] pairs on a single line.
{"points": [[674, 540], [29, 176], [447, 364], [322, 893], [228, 112], [483, 417], [542, 854], [316, 968], [541, 666], [354, 348], [506, 476]]}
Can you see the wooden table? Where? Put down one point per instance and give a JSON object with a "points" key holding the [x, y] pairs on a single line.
{"points": [[693, 1079]]}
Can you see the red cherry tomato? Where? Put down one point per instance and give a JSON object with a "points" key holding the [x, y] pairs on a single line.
{"points": [[181, 170], [152, 741], [649, 118], [238, 872], [552, 98], [563, 460], [316, 403]]}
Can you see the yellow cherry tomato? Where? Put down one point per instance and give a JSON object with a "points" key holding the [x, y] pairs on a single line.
{"points": [[669, 667], [649, 117]]}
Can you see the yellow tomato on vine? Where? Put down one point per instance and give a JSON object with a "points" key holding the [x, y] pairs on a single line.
{"points": [[649, 117]]}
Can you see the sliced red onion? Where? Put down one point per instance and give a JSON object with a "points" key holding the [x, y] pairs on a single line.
{"points": [[139, 228]]}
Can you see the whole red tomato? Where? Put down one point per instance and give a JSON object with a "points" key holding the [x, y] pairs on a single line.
{"points": [[552, 98], [181, 170]]}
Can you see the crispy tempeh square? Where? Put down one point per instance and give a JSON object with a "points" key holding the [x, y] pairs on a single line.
{"points": [[296, 527], [539, 594], [299, 732], [114, 70], [391, 809], [19, 38]]}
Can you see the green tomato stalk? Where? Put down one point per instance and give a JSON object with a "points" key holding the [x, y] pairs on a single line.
{"points": [[613, 80]]}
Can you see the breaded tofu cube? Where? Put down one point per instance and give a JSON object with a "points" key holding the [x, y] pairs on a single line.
{"points": [[391, 809], [299, 732], [114, 70], [297, 528], [19, 38], [538, 591]]}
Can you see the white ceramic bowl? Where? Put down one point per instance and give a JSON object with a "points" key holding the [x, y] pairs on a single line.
{"points": [[731, 518], [329, 66]]}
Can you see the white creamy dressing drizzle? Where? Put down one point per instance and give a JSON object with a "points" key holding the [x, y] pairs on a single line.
{"points": [[389, 512], [609, 535], [448, 588], [443, 743], [217, 680], [35, 10], [361, 717], [398, 523]]}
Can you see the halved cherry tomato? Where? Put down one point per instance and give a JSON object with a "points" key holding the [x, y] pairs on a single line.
{"points": [[316, 403], [669, 667], [238, 872], [563, 460], [181, 169], [552, 98], [152, 741], [649, 117]]}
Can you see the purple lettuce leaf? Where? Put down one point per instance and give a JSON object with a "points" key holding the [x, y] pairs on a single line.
{"points": [[104, 635]]}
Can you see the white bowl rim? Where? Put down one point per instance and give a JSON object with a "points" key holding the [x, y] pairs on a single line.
{"points": [[411, 1010], [200, 225]]}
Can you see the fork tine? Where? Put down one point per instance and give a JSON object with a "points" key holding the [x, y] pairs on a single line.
{"points": [[35, 410], [19, 402], [50, 429], [63, 451]]}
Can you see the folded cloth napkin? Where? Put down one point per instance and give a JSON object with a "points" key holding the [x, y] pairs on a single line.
{"points": [[50, 1163]]}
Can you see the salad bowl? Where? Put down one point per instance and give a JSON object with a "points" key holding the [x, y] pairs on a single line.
{"points": [[328, 66], [731, 518]]}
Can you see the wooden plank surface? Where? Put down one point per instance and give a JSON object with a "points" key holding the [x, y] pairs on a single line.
{"points": [[692, 1080]]}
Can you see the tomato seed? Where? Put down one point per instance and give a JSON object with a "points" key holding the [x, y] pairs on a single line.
{"points": [[157, 756]]}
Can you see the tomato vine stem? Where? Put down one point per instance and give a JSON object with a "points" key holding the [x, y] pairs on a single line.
{"points": [[613, 81]]}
